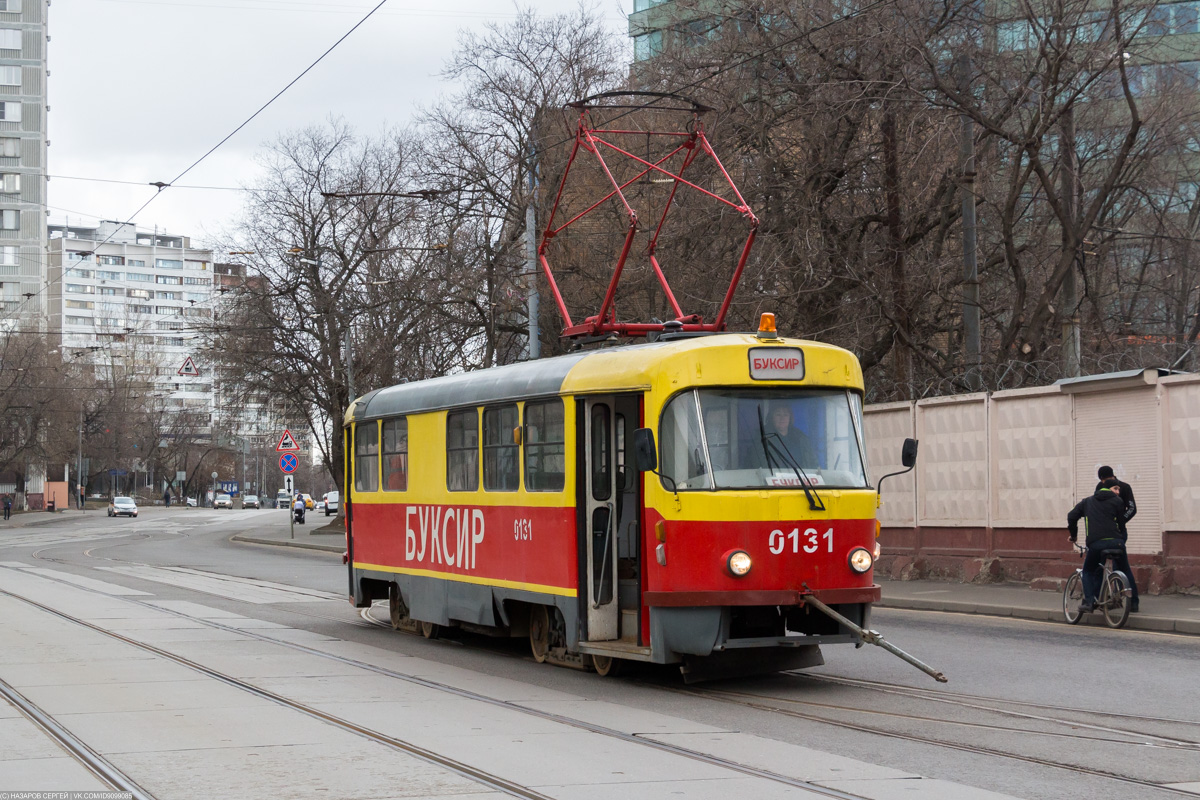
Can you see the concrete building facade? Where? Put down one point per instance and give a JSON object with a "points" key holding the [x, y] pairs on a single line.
{"points": [[23, 145], [119, 292]]}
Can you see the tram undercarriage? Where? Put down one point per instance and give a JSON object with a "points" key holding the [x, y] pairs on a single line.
{"points": [[708, 642]]}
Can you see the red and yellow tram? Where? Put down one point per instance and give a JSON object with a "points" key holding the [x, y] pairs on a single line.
{"points": [[679, 501]]}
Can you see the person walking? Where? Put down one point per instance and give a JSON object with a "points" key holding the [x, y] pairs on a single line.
{"points": [[7, 506], [1122, 563], [166, 498], [1099, 514]]}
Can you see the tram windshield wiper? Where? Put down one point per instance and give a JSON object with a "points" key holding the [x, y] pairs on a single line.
{"points": [[815, 503], [766, 445]]}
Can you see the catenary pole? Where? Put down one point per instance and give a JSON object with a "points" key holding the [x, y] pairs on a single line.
{"points": [[970, 308], [534, 349], [1071, 233]]}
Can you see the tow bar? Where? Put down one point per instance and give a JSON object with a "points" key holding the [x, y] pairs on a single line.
{"points": [[874, 637]]}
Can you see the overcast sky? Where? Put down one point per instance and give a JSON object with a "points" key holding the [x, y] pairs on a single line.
{"points": [[139, 89]]}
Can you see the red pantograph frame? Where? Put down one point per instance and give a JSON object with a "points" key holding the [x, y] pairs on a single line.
{"points": [[591, 139]]}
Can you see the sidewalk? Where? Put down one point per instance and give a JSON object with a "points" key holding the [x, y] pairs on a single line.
{"points": [[1177, 613], [306, 537], [30, 519]]}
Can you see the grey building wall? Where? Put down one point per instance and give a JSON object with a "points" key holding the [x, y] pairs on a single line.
{"points": [[23, 144]]}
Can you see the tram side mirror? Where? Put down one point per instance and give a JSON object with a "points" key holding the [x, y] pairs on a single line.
{"points": [[645, 452], [908, 457]]}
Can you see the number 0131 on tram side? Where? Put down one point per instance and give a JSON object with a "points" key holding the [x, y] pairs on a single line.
{"points": [[680, 501]]}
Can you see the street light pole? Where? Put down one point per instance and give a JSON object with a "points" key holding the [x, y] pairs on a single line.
{"points": [[79, 471]]}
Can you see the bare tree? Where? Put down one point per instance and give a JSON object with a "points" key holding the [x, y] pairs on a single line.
{"points": [[850, 125], [481, 145], [327, 306]]}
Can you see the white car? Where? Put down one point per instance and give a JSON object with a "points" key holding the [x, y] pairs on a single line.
{"points": [[330, 501], [191, 502], [122, 507], [223, 501], [319, 505]]}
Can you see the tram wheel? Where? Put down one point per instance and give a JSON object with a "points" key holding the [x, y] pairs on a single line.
{"points": [[396, 609], [539, 633], [431, 630], [607, 666]]}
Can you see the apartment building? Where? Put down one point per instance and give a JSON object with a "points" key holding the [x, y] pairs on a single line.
{"points": [[23, 144], [117, 293]]}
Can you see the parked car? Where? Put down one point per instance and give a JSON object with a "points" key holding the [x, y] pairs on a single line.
{"points": [[122, 507], [192, 502], [283, 499], [331, 500], [223, 501], [308, 501], [250, 501]]}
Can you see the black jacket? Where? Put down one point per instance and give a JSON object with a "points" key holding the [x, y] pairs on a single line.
{"points": [[1130, 506], [1100, 514]]}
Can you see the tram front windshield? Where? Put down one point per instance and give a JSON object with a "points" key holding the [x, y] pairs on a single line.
{"points": [[763, 439]]}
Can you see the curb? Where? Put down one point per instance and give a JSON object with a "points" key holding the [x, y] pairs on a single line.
{"points": [[327, 548], [43, 518], [1136, 621]]}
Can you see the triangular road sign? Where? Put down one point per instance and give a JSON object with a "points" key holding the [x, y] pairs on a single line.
{"points": [[189, 368], [287, 443]]}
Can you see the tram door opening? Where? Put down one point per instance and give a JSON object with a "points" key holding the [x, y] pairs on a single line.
{"points": [[603, 615]]}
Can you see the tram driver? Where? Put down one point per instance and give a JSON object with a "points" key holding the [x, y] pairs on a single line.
{"points": [[782, 430]]}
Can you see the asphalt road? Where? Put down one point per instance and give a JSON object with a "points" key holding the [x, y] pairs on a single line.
{"points": [[1036, 710]]}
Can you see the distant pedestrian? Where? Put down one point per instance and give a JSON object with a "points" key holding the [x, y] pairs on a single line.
{"points": [[7, 506], [81, 496], [1122, 562], [167, 498]]}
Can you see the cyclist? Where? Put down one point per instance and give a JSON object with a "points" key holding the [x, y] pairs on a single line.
{"points": [[1100, 513], [1122, 563]]}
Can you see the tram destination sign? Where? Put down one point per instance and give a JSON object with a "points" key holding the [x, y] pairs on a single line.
{"points": [[777, 363]]}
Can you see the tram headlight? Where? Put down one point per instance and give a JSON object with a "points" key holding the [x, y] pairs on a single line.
{"points": [[737, 562], [860, 559]]}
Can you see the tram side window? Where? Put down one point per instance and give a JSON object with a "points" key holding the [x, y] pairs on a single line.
{"points": [[395, 455], [462, 451], [366, 457], [682, 456], [545, 447], [501, 472]]}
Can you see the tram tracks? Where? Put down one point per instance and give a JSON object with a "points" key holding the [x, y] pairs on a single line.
{"points": [[89, 759], [988, 704], [455, 766], [793, 708], [790, 707], [487, 779]]}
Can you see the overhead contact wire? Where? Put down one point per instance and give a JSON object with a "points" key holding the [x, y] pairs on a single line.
{"points": [[229, 136]]}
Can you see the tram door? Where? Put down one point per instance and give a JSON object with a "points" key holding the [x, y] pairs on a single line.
{"points": [[603, 612]]}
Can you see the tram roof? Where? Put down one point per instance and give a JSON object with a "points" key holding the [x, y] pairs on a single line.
{"points": [[546, 377]]}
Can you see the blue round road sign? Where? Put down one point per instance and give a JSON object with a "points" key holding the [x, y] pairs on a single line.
{"points": [[287, 462]]}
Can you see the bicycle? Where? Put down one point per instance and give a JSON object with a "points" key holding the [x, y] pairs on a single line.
{"points": [[1114, 597]]}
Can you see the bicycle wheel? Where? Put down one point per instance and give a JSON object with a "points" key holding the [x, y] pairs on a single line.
{"points": [[1116, 604], [1073, 598]]}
